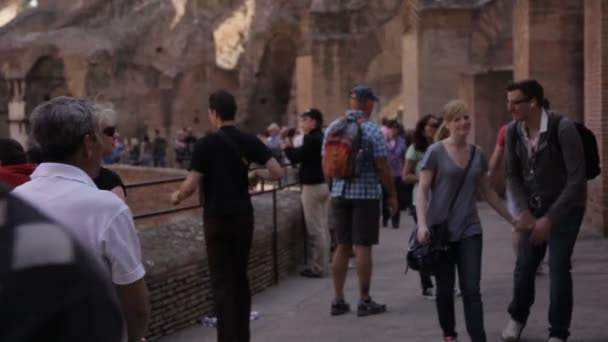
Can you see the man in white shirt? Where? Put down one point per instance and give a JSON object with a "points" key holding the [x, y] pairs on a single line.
{"points": [[68, 131]]}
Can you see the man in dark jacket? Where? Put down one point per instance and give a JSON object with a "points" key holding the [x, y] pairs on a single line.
{"points": [[315, 192], [546, 175]]}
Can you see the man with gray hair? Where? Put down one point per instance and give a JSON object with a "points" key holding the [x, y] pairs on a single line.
{"points": [[68, 131]]}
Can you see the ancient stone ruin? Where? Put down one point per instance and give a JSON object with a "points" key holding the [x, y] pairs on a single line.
{"points": [[157, 60]]}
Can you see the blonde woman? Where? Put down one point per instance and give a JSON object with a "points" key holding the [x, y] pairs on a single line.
{"points": [[453, 172], [442, 132]]}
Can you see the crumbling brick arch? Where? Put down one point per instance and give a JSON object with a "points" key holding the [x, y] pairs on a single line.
{"points": [[272, 85], [44, 81]]}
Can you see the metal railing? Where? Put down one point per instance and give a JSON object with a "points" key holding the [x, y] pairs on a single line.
{"points": [[278, 185]]}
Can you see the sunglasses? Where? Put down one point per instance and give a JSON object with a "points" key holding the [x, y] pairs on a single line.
{"points": [[109, 131]]}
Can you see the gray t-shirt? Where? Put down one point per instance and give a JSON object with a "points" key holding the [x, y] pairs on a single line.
{"points": [[463, 221]]}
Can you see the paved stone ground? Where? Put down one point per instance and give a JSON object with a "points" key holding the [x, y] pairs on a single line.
{"points": [[298, 309]]}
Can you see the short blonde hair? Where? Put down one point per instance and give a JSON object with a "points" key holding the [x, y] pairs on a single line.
{"points": [[105, 114], [454, 108]]}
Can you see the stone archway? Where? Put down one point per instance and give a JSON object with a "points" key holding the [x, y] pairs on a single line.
{"points": [[273, 82], [45, 81]]}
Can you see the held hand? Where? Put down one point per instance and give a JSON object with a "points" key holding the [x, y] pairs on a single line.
{"points": [[423, 234], [175, 200], [525, 221], [541, 232]]}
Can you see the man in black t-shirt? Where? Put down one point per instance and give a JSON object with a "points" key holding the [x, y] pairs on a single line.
{"points": [[50, 288], [219, 167], [110, 181]]}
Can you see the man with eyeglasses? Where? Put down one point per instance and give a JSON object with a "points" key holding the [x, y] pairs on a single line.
{"points": [[547, 178], [69, 133]]}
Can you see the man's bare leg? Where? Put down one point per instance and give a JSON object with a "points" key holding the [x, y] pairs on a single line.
{"points": [[340, 268], [364, 269]]}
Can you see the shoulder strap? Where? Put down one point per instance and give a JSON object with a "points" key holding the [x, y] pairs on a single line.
{"points": [[554, 121], [233, 146], [464, 177]]}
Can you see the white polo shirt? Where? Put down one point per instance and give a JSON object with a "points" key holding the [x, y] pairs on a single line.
{"points": [[98, 219]]}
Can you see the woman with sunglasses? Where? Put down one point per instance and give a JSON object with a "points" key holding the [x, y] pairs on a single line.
{"points": [[423, 137], [108, 179], [452, 173]]}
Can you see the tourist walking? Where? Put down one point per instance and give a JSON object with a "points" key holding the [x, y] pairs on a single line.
{"points": [[159, 149], [423, 137], [453, 172], [547, 173], [395, 148], [356, 197]]}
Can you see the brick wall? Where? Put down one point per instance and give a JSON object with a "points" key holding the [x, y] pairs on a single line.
{"points": [[492, 36], [175, 259], [444, 43], [548, 46], [596, 105], [484, 93]]}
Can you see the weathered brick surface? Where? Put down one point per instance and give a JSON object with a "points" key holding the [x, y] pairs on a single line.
{"points": [[548, 41], [484, 93], [596, 104], [448, 43], [178, 276]]}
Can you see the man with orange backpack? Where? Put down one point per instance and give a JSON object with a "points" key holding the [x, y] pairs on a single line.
{"points": [[354, 164]]}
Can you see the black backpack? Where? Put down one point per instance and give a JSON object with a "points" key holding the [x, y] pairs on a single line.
{"points": [[591, 151]]}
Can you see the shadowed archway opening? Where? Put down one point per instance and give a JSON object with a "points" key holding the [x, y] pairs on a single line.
{"points": [[45, 81], [273, 83]]}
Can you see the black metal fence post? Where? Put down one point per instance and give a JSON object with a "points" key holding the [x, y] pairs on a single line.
{"points": [[275, 238]]}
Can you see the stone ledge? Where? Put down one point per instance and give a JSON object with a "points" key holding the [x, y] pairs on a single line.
{"points": [[175, 259]]}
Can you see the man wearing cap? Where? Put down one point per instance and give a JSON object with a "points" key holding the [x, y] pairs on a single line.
{"points": [[356, 204], [314, 192]]}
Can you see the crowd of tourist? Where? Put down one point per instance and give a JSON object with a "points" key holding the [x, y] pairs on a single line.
{"points": [[357, 175]]}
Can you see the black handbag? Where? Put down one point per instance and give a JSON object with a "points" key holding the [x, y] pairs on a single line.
{"points": [[427, 257]]}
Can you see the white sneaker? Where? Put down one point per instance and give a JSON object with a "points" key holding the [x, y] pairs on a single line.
{"points": [[556, 339], [512, 331]]}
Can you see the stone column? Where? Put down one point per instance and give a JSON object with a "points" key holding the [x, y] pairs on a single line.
{"points": [[17, 122], [596, 105], [548, 46], [484, 92]]}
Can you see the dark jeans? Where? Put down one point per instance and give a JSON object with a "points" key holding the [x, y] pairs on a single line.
{"points": [[561, 244], [425, 278], [159, 161], [228, 243], [404, 200], [466, 257]]}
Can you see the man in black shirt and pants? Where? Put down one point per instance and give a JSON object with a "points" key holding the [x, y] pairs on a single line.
{"points": [[314, 192], [219, 167]]}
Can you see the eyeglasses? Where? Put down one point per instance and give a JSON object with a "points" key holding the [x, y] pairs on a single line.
{"points": [[109, 131], [433, 124], [518, 102]]}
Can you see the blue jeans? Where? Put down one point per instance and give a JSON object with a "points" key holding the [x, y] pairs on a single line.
{"points": [[466, 257], [561, 244]]}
